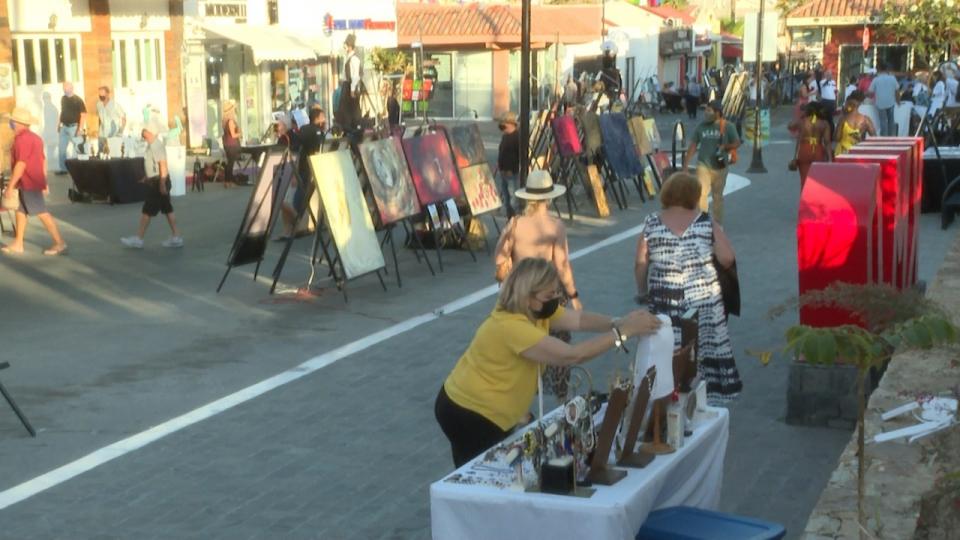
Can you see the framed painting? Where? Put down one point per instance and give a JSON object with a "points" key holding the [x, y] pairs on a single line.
{"points": [[467, 145], [390, 179], [566, 136], [432, 168], [638, 131], [618, 146], [653, 134], [591, 131], [263, 208], [480, 188], [596, 189], [346, 213]]}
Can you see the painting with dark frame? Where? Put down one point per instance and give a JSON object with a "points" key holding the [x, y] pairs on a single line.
{"points": [[467, 145], [390, 180], [618, 145], [432, 168]]}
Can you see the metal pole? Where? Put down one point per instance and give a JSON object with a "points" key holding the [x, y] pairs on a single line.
{"points": [[524, 93], [756, 164]]}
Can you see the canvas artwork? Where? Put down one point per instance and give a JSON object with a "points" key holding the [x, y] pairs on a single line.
{"points": [[566, 135], [596, 188], [661, 165], [618, 146], [638, 132], [653, 134], [467, 145], [432, 168], [481, 189], [263, 208], [346, 213], [591, 131], [390, 179]]}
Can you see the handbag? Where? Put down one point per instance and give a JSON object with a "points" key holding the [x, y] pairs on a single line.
{"points": [[11, 199], [729, 282], [731, 155]]}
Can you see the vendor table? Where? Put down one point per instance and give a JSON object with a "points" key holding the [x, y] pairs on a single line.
{"points": [[117, 180], [691, 476], [933, 180]]}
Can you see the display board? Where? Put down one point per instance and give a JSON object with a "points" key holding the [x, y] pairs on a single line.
{"points": [[566, 136], [432, 168], [390, 180], [263, 208], [480, 189], [618, 145], [467, 145]]}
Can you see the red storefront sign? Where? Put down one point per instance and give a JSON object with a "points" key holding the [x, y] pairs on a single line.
{"points": [[838, 233]]}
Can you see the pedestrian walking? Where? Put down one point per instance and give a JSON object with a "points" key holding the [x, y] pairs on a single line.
{"points": [[853, 126], [490, 389], [508, 158], [28, 179], [938, 93], [883, 90], [113, 119], [803, 97], [851, 88], [813, 142], [73, 117], [675, 272], [952, 85], [712, 142], [693, 98], [157, 181], [828, 98]]}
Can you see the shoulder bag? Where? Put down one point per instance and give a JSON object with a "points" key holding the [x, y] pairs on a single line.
{"points": [[732, 153], [11, 200], [729, 282]]}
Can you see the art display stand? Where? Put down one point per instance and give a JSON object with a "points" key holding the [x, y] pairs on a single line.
{"points": [[328, 248], [629, 457], [13, 404], [240, 250], [612, 182], [288, 243], [600, 473], [443, 227]]}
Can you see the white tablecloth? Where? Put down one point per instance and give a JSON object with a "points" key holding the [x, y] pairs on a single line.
{"points": [[691, 476]]}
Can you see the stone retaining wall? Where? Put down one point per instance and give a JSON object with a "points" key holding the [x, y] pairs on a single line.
{"points": [[908, 492]]}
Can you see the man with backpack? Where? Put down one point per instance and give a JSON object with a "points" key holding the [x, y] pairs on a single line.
{"points": [[715, 142]]}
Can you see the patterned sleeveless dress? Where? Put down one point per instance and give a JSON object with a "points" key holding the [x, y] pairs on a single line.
{"points": [[681, 276]]}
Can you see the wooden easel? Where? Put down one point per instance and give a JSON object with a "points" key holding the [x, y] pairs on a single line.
{"points": [[629, 457], [600, 473], [13, 405]]}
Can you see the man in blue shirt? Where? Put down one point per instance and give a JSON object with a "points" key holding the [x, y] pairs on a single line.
{"points": [[883, 89], [712, 141]]}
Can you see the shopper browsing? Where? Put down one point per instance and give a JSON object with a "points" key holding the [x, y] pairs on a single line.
{"points": [[712, 142]]}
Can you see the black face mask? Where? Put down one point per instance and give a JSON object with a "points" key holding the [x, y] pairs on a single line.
{"points": [[548, 309]]}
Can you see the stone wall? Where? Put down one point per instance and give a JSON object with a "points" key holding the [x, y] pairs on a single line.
{"points": [[908, 492]]}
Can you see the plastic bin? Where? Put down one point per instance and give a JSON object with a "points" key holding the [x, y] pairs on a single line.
{"points": [[686, 523]]}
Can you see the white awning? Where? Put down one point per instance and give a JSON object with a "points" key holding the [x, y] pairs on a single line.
{"points": [[268, 43]]}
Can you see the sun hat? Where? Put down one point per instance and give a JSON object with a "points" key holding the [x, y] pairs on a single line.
{"points": [[229, 106], [508, 118], [21, 115], [540, 187]]}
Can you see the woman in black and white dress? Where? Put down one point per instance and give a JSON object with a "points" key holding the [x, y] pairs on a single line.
{"points": [[675, 272]]}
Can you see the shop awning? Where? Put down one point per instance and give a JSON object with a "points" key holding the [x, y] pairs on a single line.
{"points": [[731, 50], [268, 43]]}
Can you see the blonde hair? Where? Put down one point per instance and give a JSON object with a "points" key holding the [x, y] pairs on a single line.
{"points": [[527, 278], [532, 206], [681, 189]]}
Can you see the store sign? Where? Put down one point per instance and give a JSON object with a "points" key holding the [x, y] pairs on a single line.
{"points": [[330, 24]]}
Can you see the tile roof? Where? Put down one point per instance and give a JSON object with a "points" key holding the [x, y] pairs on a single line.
{"points": [[487, 24], [839, 8], [670, 12]]}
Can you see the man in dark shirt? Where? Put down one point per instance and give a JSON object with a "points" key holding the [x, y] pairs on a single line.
{"points": [[311, 139], [73, 115], [508, 158]]}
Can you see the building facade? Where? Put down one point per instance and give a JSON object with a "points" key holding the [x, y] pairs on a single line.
{"points": [[131, 46]]}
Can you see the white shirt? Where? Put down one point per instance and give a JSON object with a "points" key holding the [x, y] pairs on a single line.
{"points": [[828, 90], [937, 97], [952, 85], [813, 91], [851, 88]]}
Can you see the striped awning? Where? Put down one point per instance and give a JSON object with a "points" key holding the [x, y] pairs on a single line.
{"points": [[268, 43]]}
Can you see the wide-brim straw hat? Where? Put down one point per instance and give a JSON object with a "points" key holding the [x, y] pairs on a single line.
{"points": [[155, 126], [540, 187], [229, 107], [508, 118], [21, 115]]}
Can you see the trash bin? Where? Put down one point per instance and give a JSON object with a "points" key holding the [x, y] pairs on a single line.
{"points": [[686, 523]]}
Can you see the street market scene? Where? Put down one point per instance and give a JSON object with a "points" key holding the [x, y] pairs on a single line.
{"points": [[398, 269]]}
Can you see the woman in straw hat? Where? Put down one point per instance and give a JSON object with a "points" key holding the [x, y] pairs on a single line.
{"points": [[231, 139], [28, 175]]}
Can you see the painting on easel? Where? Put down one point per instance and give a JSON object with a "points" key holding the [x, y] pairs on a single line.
{"points": [[596, 187], [432, 168], [467, 145], [566, 136], [346, 214], [390, 179], [481, 189], [639, 133], [618, 146]]}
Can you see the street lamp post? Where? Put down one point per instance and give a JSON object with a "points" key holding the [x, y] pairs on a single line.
{"points": [[524, 93], [756, 163]]}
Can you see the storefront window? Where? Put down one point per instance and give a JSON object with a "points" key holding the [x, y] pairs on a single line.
{"points": [[897, 58], [441, 104], [474, 89]]}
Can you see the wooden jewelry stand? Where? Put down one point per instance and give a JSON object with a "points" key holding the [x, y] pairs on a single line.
{"points": [[599, 472], [629, 457]]}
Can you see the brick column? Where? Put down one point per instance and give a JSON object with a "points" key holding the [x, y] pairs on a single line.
{"points": [[173, 50], [97, 59], [6, 52], [501, 82]]}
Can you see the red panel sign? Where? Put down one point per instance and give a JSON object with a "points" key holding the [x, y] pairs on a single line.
{"points": [[838, 225]]}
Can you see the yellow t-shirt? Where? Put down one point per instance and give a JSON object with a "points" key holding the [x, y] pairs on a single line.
{"points": [[491, 378]]}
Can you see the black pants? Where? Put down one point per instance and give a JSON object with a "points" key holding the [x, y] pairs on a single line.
{"points": [[233, 156], [693, 103], [829, 107], [470, 433], [348, 110]]}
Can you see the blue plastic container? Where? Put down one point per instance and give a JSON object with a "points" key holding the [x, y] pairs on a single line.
{"points": [[686, 523]]}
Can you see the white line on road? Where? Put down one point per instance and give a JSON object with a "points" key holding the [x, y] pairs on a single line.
{"points": [[108, 453]]}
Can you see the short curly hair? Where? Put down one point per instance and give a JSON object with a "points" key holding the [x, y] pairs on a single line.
{"points": [[681, 189]]}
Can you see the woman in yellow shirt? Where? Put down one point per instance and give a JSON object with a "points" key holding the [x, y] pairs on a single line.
{"points": [[854, 126], [493, 384]]}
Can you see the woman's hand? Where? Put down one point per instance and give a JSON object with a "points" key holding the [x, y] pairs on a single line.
{"points": [[639, 323], [575, 304]]}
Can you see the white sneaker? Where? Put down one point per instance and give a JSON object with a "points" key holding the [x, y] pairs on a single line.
{"points": [[133, 242], [173, 242]]}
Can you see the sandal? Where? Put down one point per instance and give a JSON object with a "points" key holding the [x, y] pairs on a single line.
{"points": [[10, 251], [56, 250]]}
